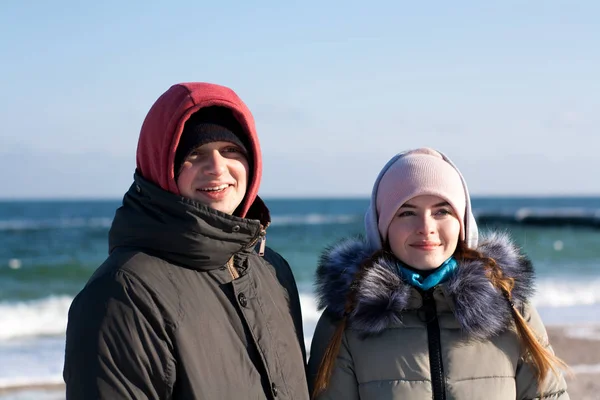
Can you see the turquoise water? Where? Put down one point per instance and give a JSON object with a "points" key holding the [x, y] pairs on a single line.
{"points": [[48, 250], [56, 245]]}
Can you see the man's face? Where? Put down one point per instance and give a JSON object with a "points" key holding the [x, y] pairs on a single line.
{"points": [[215, 174]]}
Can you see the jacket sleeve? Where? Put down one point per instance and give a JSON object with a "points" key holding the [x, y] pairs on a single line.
{"points": [[117, 346], [554, 386], [285, 276], [343, 383]]}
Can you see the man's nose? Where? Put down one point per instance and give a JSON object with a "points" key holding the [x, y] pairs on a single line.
{"points": [[216, 163]]}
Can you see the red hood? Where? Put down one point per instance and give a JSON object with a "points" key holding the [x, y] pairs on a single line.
{"points": [[162, 128]]}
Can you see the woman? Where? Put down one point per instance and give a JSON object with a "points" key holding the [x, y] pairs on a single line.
{"points": [[419, 309]]}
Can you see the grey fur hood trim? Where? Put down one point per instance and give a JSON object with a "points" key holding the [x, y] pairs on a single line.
{"points": [[382, 296]]}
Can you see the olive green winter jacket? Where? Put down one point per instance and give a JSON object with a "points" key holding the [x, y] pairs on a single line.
{"points": [[456, 341]]}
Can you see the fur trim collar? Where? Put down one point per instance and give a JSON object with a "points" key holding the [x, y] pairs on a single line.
{"points": [[480, 309]]}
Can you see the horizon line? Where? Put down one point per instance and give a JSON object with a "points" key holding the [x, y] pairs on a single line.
{"points": [[304, 197]]}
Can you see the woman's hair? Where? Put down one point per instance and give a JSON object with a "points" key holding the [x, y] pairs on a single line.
{"points": [[333, 348], [539, 356], [542, 359]]}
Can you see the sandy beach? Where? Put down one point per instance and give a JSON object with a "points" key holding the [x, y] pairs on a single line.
{"points": [[33, 392], [583, 356], [579, 346]]}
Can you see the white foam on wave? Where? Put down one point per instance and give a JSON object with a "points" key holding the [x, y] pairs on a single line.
{"points": [[310, 317], [589, 331], [555, 292], [59, 223], [312, 219], [46, 316], [585, 369], [38, 360], [583, 319], [560, 301], [29, 381]]}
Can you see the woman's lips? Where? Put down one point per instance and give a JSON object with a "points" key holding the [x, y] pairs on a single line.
{"points": [[425, 246]]}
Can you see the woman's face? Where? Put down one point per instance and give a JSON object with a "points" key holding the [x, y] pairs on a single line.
{"points": [[424, 232]]}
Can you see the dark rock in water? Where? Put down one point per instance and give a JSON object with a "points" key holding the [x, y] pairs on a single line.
{"points": [[543, 217]]}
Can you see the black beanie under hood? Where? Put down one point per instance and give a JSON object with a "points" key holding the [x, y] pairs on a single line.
{"points": [[209, 124]]}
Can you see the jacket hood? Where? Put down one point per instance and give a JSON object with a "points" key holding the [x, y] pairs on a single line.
{"points": [[162, 127], [480, 309], [372, 218], [179, 230]]}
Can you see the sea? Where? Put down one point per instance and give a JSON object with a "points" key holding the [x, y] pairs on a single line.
{"points": [[49, 249]]}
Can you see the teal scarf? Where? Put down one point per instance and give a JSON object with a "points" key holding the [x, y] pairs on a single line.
{"points": [[442, 274]]}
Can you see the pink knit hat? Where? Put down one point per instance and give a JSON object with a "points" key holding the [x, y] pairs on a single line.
{"points": [[419, 172]]}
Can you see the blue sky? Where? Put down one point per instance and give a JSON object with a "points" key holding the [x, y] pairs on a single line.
{"points": [[510, 91]]}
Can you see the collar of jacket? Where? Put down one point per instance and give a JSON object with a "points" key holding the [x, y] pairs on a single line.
{"points": [[382, 296], [182, 231]]}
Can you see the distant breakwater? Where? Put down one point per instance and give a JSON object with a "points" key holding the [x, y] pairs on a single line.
{"points": [[542, 217]]}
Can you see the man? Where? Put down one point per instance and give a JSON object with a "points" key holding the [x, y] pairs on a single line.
{"points": [[190, 303]]}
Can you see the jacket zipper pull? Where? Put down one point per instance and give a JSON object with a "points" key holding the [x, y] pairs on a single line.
{"points": [[231, 267], [263, 243]]}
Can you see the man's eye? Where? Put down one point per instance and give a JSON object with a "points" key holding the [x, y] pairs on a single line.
{"points": [[234, 151]]}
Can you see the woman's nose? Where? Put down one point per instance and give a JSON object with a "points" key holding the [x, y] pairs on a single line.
{"points": [[426, 225]]}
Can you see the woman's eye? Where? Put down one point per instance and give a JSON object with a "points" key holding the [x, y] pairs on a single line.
{"points": [[444, 211], [405, 213]]}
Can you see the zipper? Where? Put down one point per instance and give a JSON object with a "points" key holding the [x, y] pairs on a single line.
{"points": [[234, 273], [263, 242], [262, 237], [438, 382]]}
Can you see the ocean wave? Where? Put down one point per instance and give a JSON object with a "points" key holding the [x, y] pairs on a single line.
{"points": [[38, 361], [582, 331], [552, 292], [51, 224], [41, 317], [314, 219], [48, 316], [30, 382], [585, 369], [557, 305], [535, 216], [19, 225]]}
